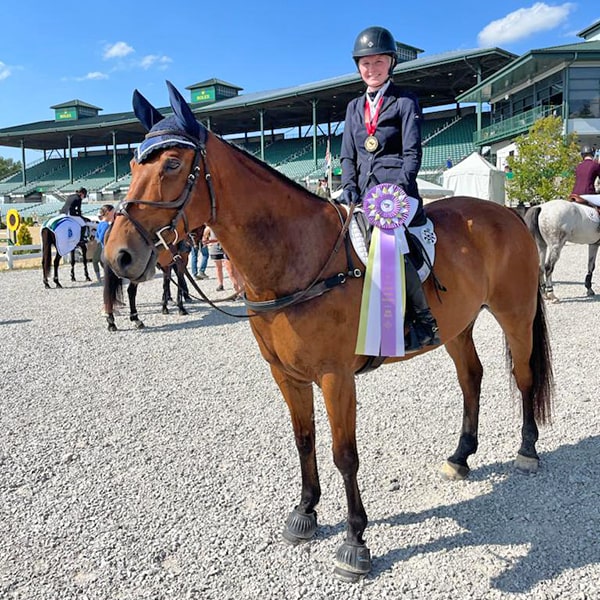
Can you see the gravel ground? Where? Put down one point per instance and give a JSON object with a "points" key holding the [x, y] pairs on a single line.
{"points": [[160, 464]]}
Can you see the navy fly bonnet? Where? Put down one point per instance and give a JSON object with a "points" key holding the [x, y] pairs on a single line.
{"points": [[180, 129]]}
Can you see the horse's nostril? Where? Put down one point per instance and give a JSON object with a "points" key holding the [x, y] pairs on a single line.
{"points": [[124, 259]]}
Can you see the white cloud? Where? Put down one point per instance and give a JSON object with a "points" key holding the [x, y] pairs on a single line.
{"points": [[94, 76], [150, 60], [523, 23], [118, 50], [5, 71]]}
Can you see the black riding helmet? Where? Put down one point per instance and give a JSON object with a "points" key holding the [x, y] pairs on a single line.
{"points": [[375, 40], [587, 151]]}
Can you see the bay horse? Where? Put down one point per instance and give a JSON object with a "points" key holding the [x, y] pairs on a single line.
{"points": [[555, 223], [48, 240], [303, 293]]}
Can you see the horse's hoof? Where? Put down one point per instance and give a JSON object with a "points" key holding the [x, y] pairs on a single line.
{"points": [[299, 527], [550, 297], [590, 292], [165, 310], [112, 327], [58, 285], [187, 299], [526, 464], [352, 561], [88, 278], [47, 285], [183, 312], [138, 325], [454, 472]]}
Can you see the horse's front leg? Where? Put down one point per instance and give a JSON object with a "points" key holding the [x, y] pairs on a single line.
{"points": [[133, 314], [470, 373], [182, 293], [592, 253], [166, 296], [301, 523], [353, 558]]}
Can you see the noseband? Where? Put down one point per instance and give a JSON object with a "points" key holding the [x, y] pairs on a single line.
{"points": [[157, 238]]}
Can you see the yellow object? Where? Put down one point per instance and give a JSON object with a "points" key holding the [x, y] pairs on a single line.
{"points": [[13, 219]]}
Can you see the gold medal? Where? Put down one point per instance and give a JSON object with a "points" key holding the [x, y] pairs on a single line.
{"points": [[371, 143]]}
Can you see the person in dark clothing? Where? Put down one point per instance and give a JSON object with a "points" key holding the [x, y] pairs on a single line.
{"points": [[382, 144], [72, 205]]}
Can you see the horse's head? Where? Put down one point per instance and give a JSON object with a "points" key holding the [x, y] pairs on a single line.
{"points": [[168, 170]]}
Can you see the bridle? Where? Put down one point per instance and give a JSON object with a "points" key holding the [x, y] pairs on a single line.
{"points": [[317, 287], [179, 204]]}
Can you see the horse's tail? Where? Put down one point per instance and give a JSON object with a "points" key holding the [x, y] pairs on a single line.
{"points": [[113, 289], [541, 365], [531, 219]]}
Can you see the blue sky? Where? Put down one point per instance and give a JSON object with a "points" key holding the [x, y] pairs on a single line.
{"points": [[55, 52]]}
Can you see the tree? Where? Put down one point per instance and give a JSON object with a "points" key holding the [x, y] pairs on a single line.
{"points": [[8, 166], [544, 163]]}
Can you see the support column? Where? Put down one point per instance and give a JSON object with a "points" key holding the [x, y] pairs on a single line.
{"points": [[261, 114], [115, 163], [23, 170], [70, 158], [314, 120]]}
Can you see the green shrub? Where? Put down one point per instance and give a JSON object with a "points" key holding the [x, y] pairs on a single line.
{"points": [[24, 235]]}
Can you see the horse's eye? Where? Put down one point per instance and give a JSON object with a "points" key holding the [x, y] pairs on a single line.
{"points": [[172, 164]]}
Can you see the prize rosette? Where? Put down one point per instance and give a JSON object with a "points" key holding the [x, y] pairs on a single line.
{"points": [[381, 327]]}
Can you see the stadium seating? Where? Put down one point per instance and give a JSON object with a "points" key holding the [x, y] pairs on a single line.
{"points": [[444, 136]]}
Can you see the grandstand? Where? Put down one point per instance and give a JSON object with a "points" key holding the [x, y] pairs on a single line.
{"points": [[289, 128]]}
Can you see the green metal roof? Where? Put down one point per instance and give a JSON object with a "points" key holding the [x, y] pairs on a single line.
{"points": [[435, 79], [528, 66]]}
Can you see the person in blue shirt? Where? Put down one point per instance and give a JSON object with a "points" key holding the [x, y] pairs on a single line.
{"points": [[381, 143], [106, 214]]}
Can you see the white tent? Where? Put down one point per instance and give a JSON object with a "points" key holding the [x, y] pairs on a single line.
{"points": [[475, 176], [432, 191]]}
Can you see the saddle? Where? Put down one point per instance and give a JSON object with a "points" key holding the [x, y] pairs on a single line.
{"points": [[580, 200]]}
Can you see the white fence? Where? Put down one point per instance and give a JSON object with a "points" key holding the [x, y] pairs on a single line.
{"points": [[12, 253]]}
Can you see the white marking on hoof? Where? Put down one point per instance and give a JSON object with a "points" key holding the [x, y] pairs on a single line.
{"points": [[526, 464], [454, 472]]}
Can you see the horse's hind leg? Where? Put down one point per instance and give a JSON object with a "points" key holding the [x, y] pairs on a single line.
{"points": [[56, 263], [73, 265], [470, 372], [592, 253], [552, 255], [133, 314], [85, 262], [527, 340], [301, 523]]}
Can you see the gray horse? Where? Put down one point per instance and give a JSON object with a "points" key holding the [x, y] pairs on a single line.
{"points": [[555, 223]]}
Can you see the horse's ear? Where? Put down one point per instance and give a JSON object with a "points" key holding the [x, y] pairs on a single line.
{"points": [[184, 115], [145, 112]]}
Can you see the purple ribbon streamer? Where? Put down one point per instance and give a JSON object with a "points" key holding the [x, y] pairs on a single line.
{"points": [[389, 258]]}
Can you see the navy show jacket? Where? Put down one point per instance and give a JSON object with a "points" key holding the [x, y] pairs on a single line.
{"points": [[398, 157]]}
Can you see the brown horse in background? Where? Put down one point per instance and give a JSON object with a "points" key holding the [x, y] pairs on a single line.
{"points": [[304, 292]]}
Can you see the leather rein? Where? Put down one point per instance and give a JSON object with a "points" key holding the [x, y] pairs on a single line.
{"points": [[318, 285]]}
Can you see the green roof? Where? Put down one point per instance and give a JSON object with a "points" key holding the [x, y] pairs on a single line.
{"points": [[528, 66]]}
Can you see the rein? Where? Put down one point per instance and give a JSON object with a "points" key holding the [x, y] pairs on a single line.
{"points": [[317, 287]]}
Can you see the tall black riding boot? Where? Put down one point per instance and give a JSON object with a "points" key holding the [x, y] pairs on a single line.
{"points": [[424, 325]]}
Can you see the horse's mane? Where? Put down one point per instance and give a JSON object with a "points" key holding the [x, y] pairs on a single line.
{"points": [[277, 174]]}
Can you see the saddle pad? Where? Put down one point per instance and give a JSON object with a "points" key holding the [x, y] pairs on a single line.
{"points": [[67, 232], [590, 212], [424, 233]]}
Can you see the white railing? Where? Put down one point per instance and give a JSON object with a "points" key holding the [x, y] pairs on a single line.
{"points": [[12, 253]]}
